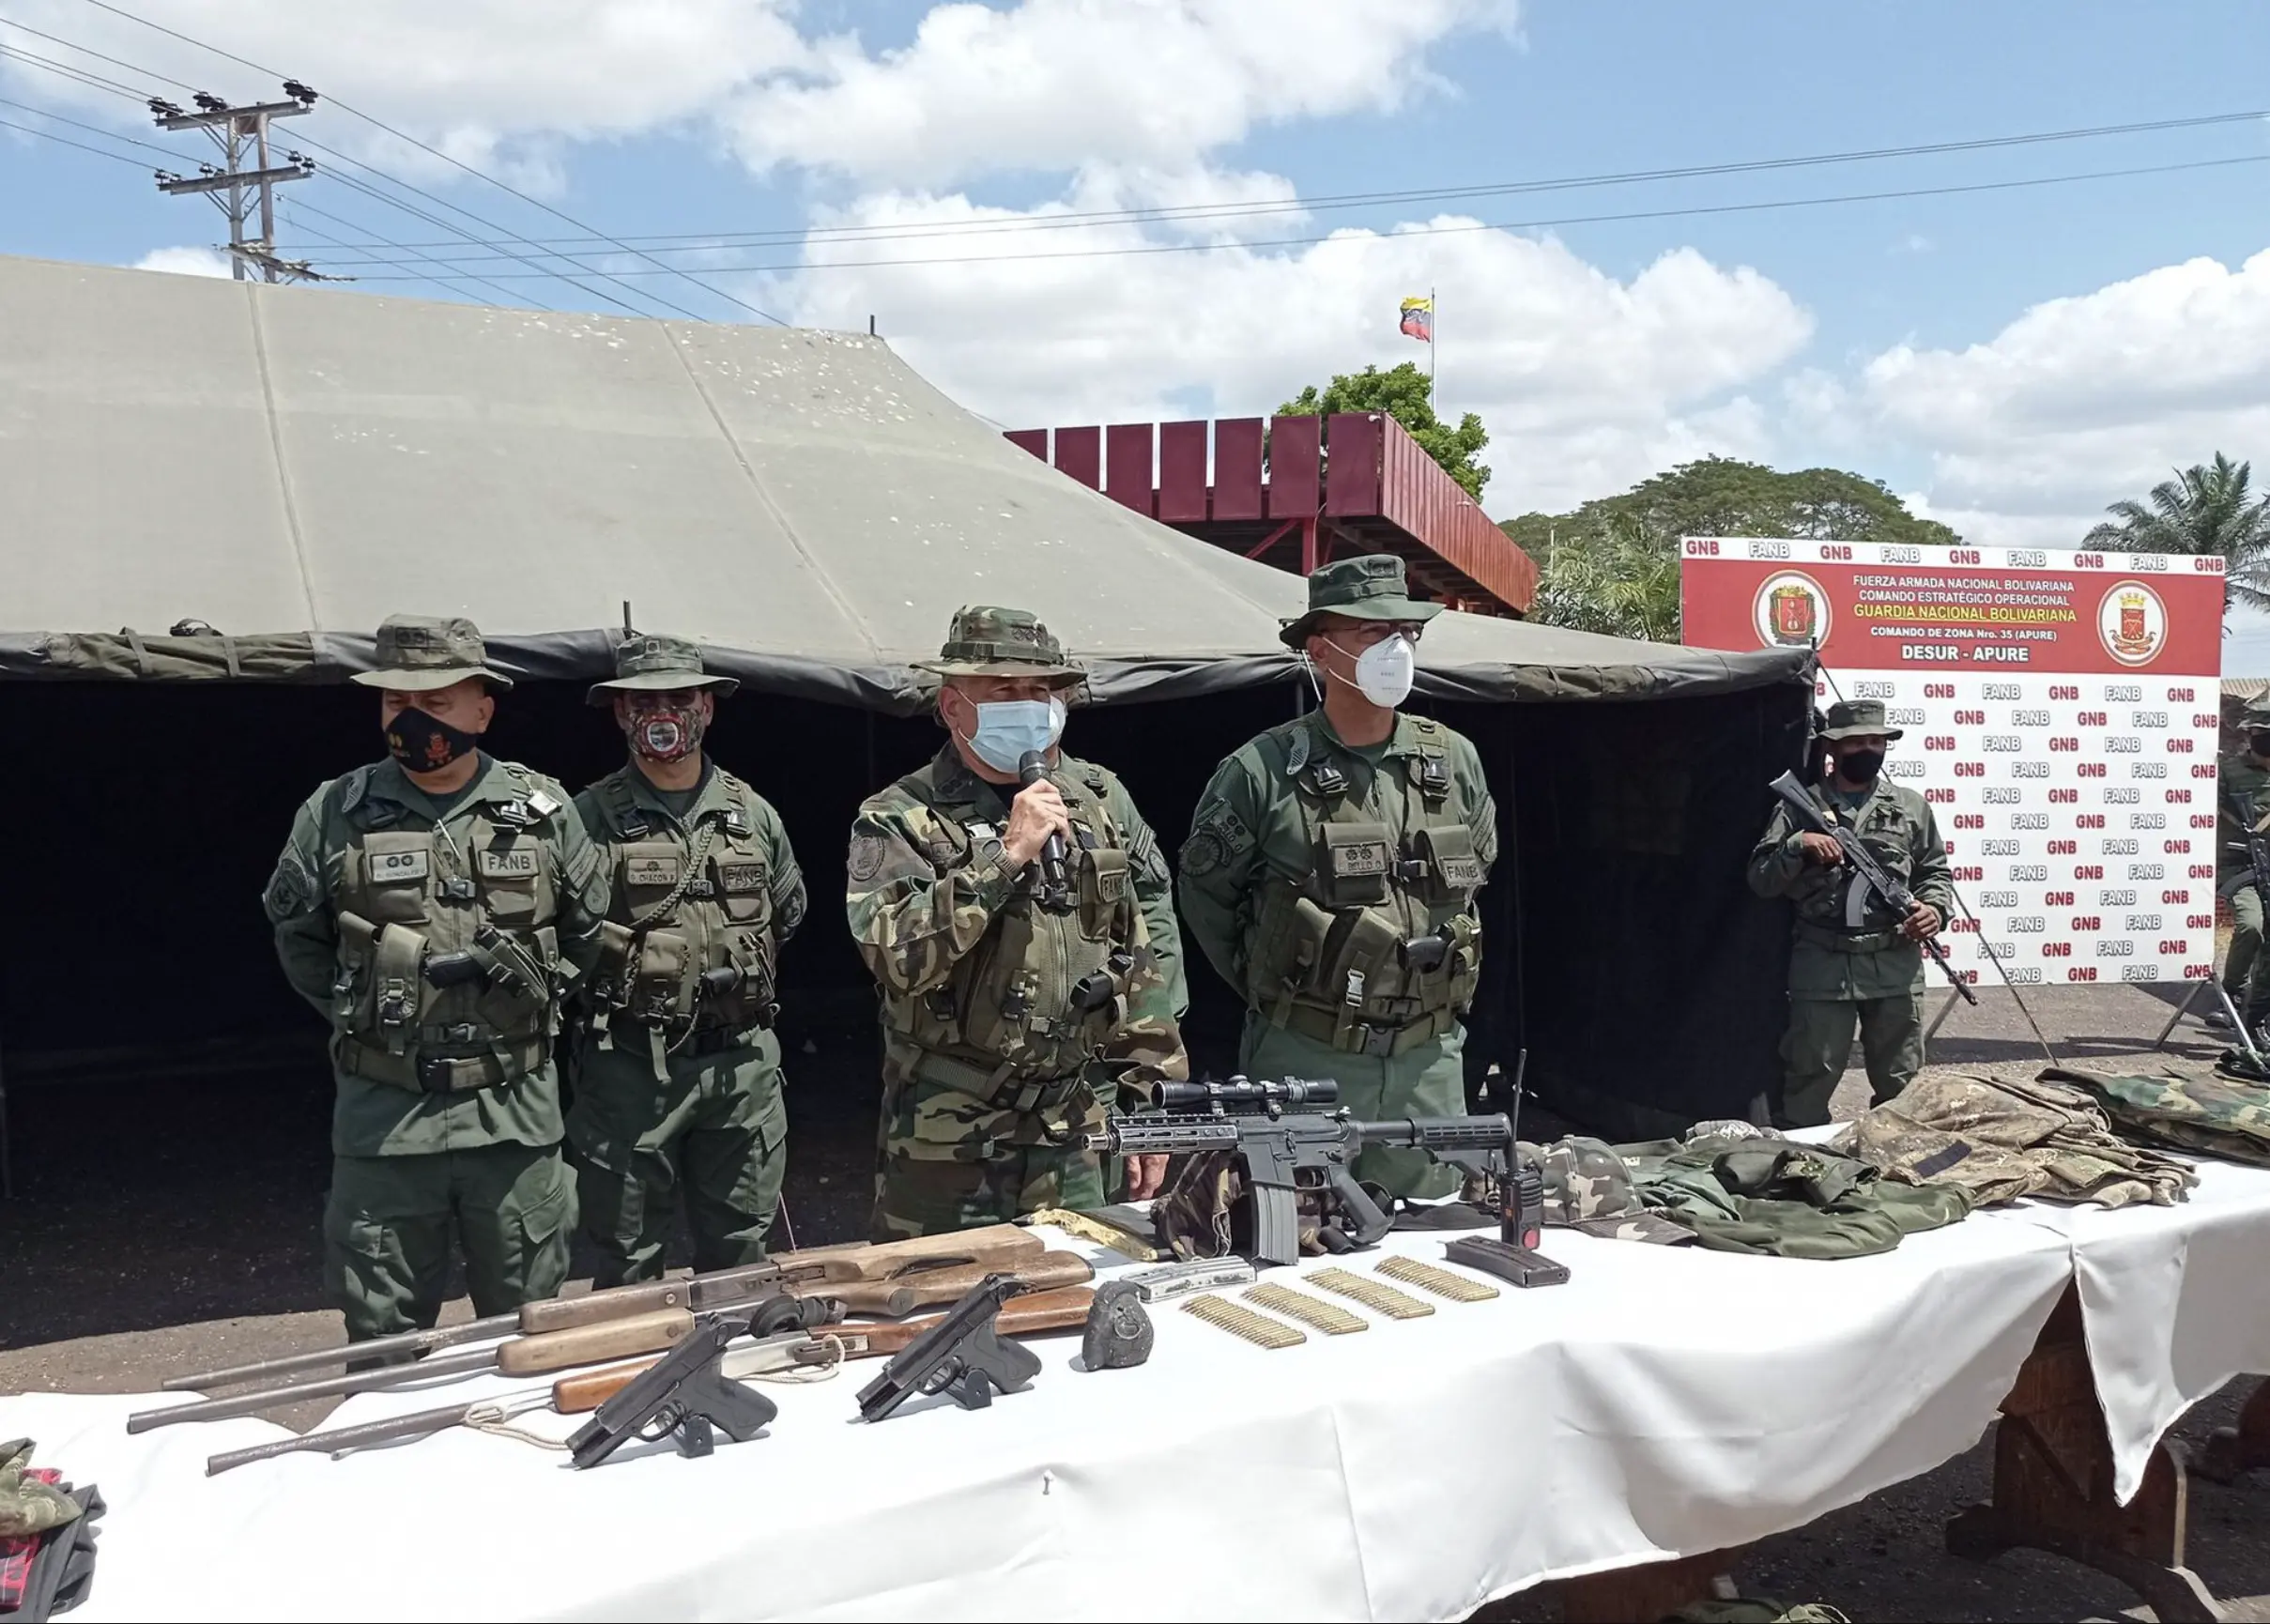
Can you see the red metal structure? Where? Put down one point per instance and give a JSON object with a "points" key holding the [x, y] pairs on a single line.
{"points": [[1352, 483]]}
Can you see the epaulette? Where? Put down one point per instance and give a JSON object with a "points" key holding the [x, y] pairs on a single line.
{"points": [[353, 787]]}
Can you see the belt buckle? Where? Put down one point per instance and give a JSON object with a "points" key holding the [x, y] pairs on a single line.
{"points": [[1378, 1041], [433, 1074]]}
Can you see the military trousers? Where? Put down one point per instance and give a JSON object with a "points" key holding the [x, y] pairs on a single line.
{"points": [[1427, 1081], [1819, 1042], [712, 1132], [2245, 971], [948, 1160], [388, 1224]]}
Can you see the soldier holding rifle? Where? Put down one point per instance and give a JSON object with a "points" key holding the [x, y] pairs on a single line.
{"points": [[1852, 960]]}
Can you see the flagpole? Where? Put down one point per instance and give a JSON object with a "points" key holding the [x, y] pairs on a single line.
{"points": [[1434, 314]]}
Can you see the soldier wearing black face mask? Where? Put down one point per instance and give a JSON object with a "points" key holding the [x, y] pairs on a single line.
{"points": [[2243, 799], [1853, 960], [430, 907]]}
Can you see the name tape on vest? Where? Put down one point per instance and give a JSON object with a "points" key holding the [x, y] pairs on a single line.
{"points": [[650, 870], [399, 868]]}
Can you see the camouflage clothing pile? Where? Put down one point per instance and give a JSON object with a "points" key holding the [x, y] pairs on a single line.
{"points": [[1753, 1192], [2215, 1116], [31, 1500], [2002, 1140]]}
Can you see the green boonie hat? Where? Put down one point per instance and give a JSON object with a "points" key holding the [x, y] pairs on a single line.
{"points": [[2255, 716], [418, 653], [658, 664], [1853, 718], [1371, 588], [985, 641]]}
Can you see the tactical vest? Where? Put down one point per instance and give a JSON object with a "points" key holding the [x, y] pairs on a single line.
{"points": [[688, 945], [1376, 948], [447, 950], [1835, 908], [1043, 993]]}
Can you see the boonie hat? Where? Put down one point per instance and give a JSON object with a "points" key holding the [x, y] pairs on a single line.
{"points": [[986, 641], [418, 653], [1854, 718], [1371, 588], [645, 663]]}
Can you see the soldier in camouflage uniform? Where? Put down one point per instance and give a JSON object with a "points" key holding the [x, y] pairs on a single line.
{"points": [[429, 907], [1331, 871], [1851, 959], [678, 1070], [2242, 800], [1011, 1017]]}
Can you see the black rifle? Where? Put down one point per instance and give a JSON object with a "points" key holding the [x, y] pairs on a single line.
{"points": [[962, 1355], [683, 1395], [1812, 820], [1292, 1143]]}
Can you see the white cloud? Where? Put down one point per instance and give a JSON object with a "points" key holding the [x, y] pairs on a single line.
{"points": [[1587, 383], [187, 261], [467, 75], [1051, 86], [2082, 401]]}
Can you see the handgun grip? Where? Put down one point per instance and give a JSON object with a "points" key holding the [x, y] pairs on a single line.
{"points": [[592, 1344], [738, 1411]]}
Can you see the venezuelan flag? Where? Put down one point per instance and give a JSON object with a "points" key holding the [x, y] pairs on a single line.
{"points": [[1418, 319]]}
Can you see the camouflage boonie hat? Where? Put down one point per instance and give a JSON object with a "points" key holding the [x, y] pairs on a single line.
{"points": [[1853, 718], [658, 664], [418, 653], [986, 641], [1371, 588]]}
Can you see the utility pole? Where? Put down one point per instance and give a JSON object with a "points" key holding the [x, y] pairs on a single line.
{"points": [[239, 132]]}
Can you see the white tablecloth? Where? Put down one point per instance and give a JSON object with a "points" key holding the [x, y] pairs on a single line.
{"points": [[2175, 1301], [1666, 1401]]}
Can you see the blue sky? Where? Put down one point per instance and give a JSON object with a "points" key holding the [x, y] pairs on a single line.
{"points": [[2011, 360]]}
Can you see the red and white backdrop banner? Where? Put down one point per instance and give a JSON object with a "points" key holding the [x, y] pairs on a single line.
{"points": [[2061, 712]]}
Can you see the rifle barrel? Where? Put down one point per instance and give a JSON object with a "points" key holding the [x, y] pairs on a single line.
{"points": [[322, 1358]]}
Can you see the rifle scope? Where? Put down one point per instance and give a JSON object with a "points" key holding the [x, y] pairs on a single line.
{"points": [[1238, 1092]]}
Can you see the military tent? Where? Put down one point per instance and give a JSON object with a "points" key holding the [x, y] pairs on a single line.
{"points": [[211, 492]]}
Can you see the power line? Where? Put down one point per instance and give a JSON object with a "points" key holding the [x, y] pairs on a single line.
{"points": [[91, 129], [64, 70], [66, 141], [301, 205], [1499, 225], [1088, 219], [84, 51], [478, 174], [497, 249]]}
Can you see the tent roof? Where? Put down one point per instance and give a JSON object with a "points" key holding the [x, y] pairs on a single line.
{"points": [[288, 466]]}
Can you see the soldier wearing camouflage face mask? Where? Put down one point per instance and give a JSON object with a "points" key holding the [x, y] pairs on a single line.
{"points": [[430, 907], [1012, 1017], [677, 1083]]}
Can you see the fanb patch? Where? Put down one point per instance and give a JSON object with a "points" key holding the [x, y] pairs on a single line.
{"points": [[288, 889], [737, 879], [1202, 854], [866, 858], [514, 862]]}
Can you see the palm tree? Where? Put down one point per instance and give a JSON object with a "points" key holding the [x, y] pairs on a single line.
{"points": [[1621, 580], [2204, 512]]}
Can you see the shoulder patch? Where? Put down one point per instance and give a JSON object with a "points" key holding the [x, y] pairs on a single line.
{"points": [[289, 889], [1296, 753], [865, 860], [354, 787]]}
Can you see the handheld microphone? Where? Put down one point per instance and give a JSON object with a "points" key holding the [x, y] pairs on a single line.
{"points": [[1055, 893]]}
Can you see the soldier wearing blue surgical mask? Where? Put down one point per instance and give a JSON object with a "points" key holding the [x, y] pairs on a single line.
{"points": [[1019, 919], [1331, 870]]}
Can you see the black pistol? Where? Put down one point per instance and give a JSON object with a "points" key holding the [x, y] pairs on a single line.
{"points": [[962, 1355], [685, 1396]]}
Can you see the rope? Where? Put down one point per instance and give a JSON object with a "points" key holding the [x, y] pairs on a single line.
{"points": [[496, 1420], [806, 1376]]}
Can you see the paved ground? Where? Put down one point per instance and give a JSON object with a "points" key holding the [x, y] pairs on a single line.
{"points": [[125, 1257]]}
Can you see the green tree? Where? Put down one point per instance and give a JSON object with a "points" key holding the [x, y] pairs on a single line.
{"points": [[1621, 581], [2207, 511], [1403, 393], [1612, 564]]}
